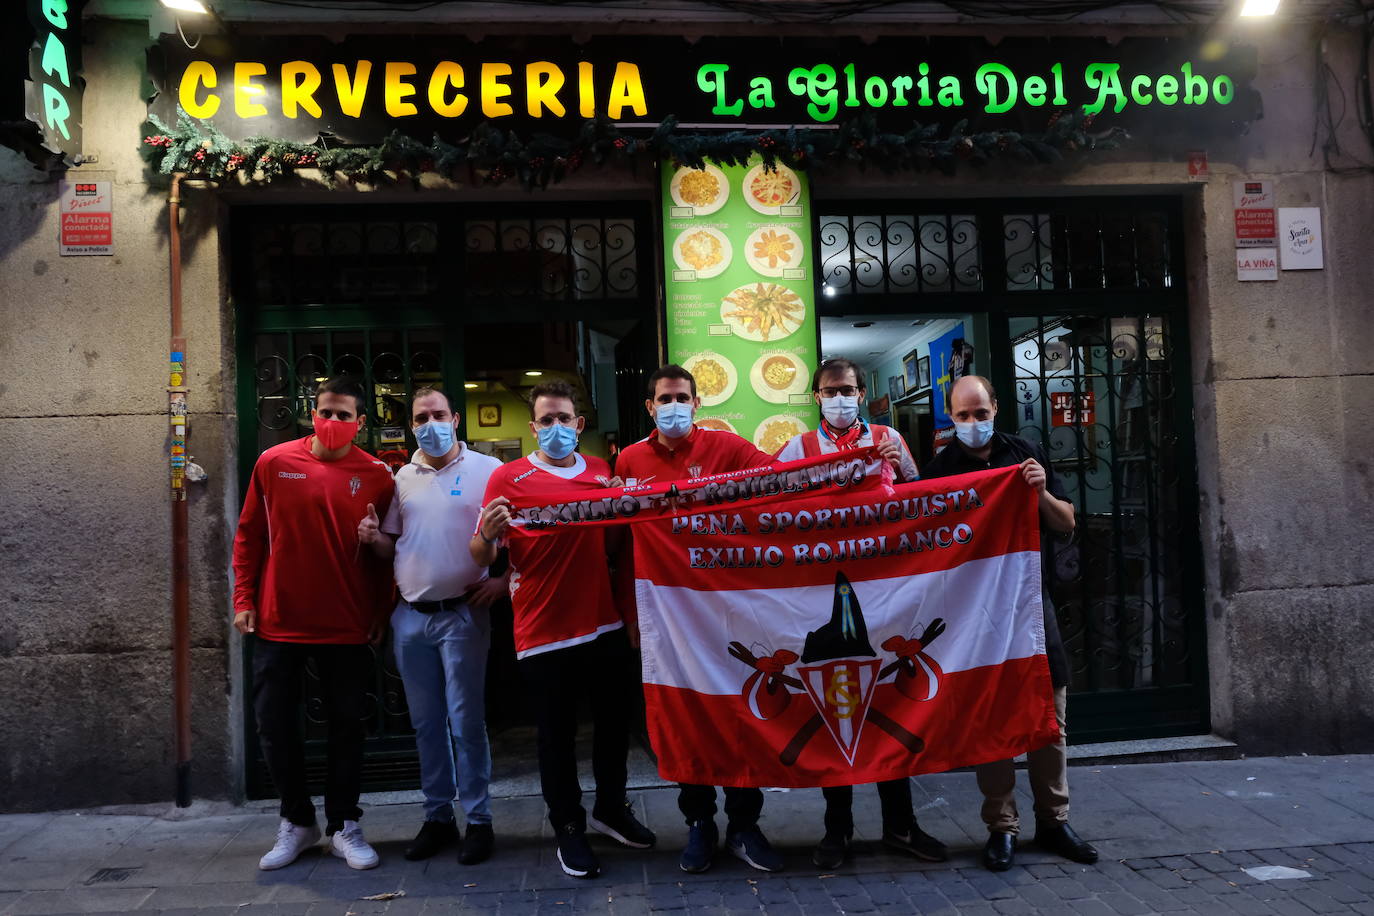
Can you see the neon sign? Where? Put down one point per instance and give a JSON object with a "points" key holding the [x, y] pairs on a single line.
{"points": [[828, 91], [53, 94], [363, 87]]}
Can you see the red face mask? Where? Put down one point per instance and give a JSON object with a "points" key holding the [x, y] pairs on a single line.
{"points": [[335, 433]]}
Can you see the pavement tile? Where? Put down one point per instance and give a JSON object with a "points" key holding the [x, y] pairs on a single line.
{"points": [[1314, 898], [81, 900], [1241, 857], [1124, 903], [1091, 907], [1245, 905], [1211, 861]]}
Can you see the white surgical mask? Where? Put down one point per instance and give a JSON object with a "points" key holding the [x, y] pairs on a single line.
{"points": [[974, 435], [840, 411], [673, 420]]}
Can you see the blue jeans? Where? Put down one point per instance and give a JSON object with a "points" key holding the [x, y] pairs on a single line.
{"points": [[443, 662]]}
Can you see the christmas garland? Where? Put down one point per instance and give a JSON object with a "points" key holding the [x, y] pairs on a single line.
{"points": [[493, 156]]}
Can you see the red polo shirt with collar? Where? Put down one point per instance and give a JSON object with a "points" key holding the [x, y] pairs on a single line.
{"points": [[701, 453]]}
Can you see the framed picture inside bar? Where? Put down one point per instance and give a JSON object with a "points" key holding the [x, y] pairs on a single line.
{"points": [[488, 414], [910, 366], [923, 373], [895, 388]]}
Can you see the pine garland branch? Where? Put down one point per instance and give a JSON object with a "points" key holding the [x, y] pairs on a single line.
{"points": [[495, 156]]}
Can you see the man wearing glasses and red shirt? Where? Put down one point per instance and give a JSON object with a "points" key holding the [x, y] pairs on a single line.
{"points": [[569, 637], [838, 388]]}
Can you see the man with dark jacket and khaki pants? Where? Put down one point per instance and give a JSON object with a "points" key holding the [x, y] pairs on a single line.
{"points": [[973, 406]]}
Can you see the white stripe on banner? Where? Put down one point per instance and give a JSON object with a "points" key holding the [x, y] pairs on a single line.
{"points": [[991, 608]]}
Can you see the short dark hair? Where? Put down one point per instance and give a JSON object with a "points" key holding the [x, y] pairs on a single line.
{"points": [[838, 364], [346, 385], [426, 392], [553, 389], [987, 386], [672, 370]]}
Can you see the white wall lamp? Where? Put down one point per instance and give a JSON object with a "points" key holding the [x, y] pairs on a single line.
{"points": [[1249, 8], [187, 6]]}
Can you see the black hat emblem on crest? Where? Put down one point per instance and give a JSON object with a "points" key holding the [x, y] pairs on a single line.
{"points": [[846, 635]]}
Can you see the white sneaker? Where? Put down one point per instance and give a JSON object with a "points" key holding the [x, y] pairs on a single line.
{"points": [[350, 846], [291, 842]]}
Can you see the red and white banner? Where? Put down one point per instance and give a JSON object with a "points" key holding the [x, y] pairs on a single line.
{"points": [[850, 638]]}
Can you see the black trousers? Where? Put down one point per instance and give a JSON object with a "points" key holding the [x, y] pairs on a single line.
{"points": [[345, 672], [742, 806], [894, 796], [555, 682]]}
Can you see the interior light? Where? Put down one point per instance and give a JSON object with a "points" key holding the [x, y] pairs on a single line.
{"points": [[470, 385], [1251, 7], [533, 372], [186, 6], [828, 290]]}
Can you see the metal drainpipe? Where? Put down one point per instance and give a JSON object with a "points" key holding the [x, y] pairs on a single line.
{"points": [[181, 584]]}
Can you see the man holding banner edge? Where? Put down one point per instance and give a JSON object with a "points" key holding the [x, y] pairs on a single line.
{"points": [[972, 404], [677, 450]]}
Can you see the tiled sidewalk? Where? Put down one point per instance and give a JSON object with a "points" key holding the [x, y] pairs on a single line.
{"points": [[1175, 837]]}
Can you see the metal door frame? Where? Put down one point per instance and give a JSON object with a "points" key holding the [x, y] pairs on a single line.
{"points": [[1099, 715]]}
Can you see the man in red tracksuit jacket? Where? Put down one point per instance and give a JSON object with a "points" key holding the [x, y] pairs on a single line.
{"points": [[678, 450], [304, 589]]}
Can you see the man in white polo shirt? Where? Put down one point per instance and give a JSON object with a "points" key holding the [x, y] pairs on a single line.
{"points": [[442, 625]]}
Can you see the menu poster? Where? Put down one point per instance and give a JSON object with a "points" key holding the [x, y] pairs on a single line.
{"points": [[741, 303]]}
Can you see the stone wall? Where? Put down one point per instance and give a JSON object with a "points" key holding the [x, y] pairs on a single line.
{"points": [[85, 629], [1283, 385]]}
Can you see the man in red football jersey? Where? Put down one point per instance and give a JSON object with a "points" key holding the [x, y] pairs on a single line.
{"points": [[304, 590], [678, 449], [568, 635]]}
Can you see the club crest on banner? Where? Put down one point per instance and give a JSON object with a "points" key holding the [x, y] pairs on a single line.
{"points": [[839, 673]]}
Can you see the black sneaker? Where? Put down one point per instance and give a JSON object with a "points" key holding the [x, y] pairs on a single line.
{"points": [[433, 836], [575, 855], [619, 823], [916, 842], [702, 840], [831, 851], [753, 847], [477, 845]]}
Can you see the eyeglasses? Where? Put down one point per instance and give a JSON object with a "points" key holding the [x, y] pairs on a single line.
{"points": [[547, 421], [848, 391]]}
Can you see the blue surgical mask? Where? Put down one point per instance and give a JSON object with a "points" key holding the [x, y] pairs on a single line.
{"points": [[974, 435], [557, 441], [435, 438], [674, 420], [840, 411]]}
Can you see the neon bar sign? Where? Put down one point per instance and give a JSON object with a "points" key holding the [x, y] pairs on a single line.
{"points": [[53, 95]]}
